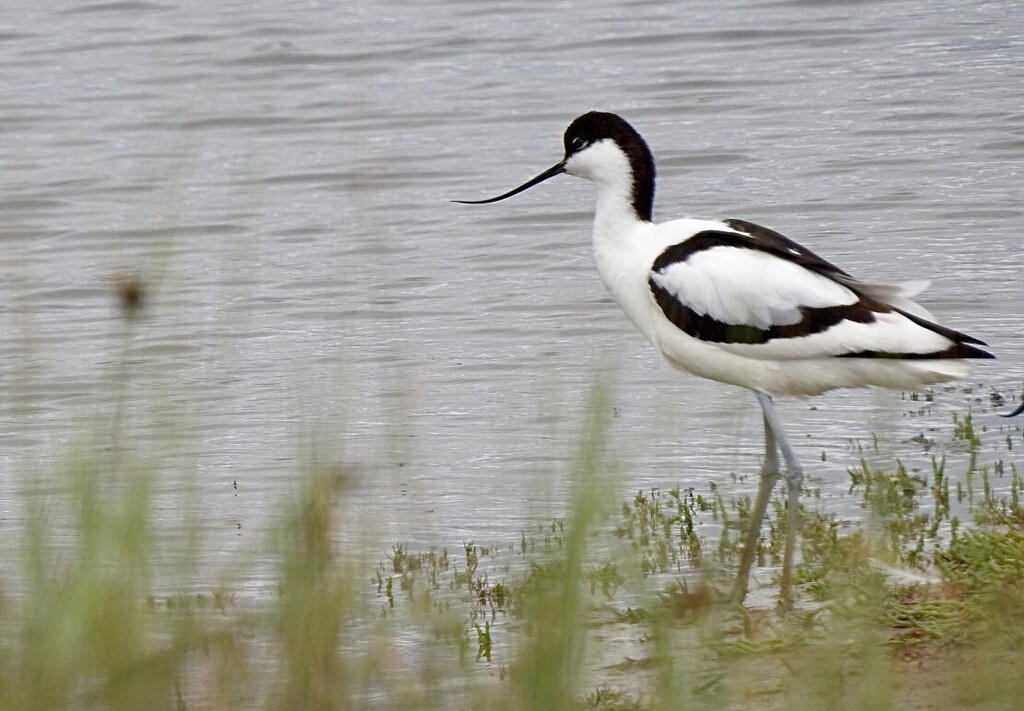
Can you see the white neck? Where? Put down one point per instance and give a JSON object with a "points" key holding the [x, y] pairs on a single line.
{"points": [[608, 168], [622, 249], [614, 214]]}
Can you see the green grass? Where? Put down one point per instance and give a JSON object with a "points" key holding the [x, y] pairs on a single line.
{"points": [[618, 606]]}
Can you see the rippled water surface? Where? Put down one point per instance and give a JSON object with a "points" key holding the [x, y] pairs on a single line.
{"points": [[277, 175]]}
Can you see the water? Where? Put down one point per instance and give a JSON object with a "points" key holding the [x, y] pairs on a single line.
{"points": [[278, 176]]}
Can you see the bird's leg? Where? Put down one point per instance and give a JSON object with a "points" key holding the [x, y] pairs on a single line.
{"points": [[794, 483], [769, 475]]}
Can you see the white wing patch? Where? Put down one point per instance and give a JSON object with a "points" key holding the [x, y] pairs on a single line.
{"points": [[748, 287]]}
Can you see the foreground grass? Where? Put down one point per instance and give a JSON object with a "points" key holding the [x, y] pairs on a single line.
{"points": [[615, 607]]}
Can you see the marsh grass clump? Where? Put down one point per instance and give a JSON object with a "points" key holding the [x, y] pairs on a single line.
{"points": [[893, 499], [84, 621], [921, 618], [986, 565], [662, 526], [315, 598], [86, 631], [1008, 510], [604, 699]]}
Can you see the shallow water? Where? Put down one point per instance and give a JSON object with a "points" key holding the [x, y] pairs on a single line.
{"points": [[279, 179]]}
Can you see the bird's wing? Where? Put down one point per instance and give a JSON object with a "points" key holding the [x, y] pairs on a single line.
{"points": [[775, 300], [898, 295], [763, 238]]}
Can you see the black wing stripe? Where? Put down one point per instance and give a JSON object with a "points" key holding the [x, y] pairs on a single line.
{"points": [[699, 242], [957, 350], [780, 244], [707, 328], [763, 240]]}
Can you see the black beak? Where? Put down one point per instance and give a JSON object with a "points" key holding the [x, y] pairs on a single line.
{"points": [[551, 172], [1020, 409]]}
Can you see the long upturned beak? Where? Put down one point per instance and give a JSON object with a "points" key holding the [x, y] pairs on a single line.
{"points": [[551, 172]]}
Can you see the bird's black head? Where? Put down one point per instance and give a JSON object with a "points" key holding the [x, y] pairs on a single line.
{"points": [[585, 131], [595, 126]]}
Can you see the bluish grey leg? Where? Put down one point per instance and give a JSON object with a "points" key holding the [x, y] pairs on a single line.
{"points": [[794, 483], [769, 476]]}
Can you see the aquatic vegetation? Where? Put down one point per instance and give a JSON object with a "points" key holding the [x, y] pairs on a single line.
{"points": [[611, 607]]}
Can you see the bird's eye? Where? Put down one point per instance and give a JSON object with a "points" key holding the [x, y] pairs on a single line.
{"points": [[578, 143]]}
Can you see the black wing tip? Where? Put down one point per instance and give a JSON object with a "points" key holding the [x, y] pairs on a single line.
{"points": [[972, 352], [964, 345]]}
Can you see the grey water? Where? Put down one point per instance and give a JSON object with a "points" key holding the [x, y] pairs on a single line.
{"points": [[277, 176]]}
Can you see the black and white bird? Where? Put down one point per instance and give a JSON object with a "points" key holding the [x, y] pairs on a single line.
{"points": [[742, 304]]}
